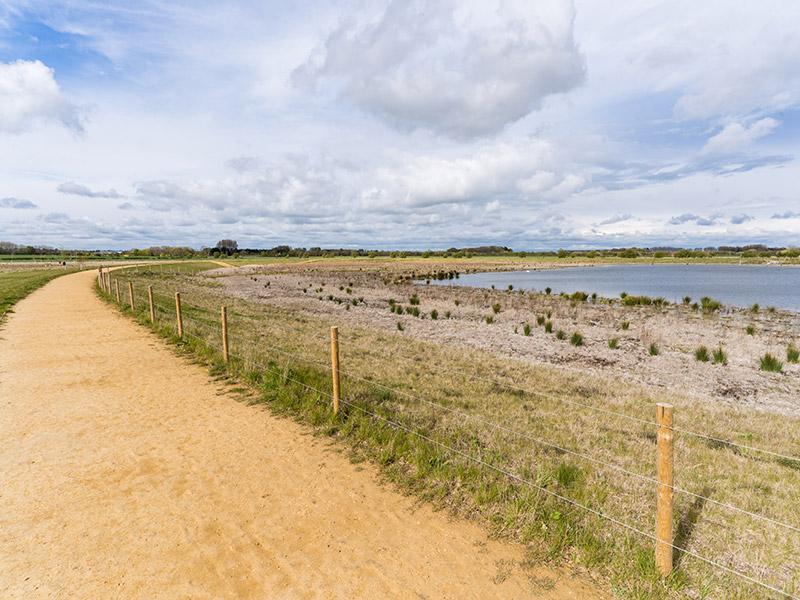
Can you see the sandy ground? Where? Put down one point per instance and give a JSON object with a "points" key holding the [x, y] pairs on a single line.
{"points": [[677, 330], [126, 473]]}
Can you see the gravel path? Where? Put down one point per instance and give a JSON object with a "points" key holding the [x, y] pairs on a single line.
{"points": [[125, 472]]}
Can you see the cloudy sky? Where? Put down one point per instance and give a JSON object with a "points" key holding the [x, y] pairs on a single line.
{"points": [[399, 124]]}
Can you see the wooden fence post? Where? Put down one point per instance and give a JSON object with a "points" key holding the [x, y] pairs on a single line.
{"points": [[665, 490], [116, 287], [108, 283], [152, 307], [225, 333], [335, 365], [130, 294], [178, 312]]}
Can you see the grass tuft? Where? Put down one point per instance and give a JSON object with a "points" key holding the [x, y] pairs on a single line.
{"points": [[720, 356], [701, 354], [792, 354], [770, 363], [653, 349], [576, 339], [612, 343]]}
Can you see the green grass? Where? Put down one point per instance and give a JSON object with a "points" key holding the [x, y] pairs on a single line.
{"points": [[701, 354], [576, 339], [526, 329], [770, 363], [750, 330], [792, 354], [547, 529], [653, 349], [613, 342], [720, 356], [15, 285]]}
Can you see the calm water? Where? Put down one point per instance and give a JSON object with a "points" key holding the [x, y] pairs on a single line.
{"points": [[739, 285]]}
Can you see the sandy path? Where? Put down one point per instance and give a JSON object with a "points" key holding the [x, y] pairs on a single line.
{"points": [[126, 473]]}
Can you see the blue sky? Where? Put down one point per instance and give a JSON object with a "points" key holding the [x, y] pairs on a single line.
{"points": [[399, 124]]}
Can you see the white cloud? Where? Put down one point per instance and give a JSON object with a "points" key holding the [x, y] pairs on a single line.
{"points": [[463, 69], [16, 203], [77, 189], [736, 135], [29, 94]]}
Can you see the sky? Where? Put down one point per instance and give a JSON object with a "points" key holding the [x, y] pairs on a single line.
{"points": [[400, 124]]}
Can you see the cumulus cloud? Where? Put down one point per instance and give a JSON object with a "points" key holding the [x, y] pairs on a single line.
{"points": [[81, 190], [736, 135], [689, 217], [615, 219], [29, 94], [16, 203], [741, 218], [462, 69], [786, 215]]}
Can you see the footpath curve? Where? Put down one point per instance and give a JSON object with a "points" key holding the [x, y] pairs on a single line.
{"points": [[125, 472]]}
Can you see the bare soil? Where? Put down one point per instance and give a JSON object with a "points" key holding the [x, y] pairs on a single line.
{"points": [[677, 331], [128, 473]]}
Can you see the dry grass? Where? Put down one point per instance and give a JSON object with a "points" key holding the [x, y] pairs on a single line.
{"points": [[455, 409]]}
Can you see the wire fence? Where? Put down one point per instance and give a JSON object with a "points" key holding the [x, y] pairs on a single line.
{"points": [[251, 349]]}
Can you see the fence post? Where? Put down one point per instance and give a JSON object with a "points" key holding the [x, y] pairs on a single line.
{"points": [[225, 333], [108, 283], [100, 277], [335, 367], [152, 308], [130, 294], [116, 287], [665, 489], [178, 312]]}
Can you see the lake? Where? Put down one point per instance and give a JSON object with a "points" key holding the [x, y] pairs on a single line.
{"points": [[738, 285]]}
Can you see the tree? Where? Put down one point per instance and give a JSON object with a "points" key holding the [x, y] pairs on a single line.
{"points": [[227, 246]]}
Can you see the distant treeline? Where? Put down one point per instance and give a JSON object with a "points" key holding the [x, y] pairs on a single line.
{"points": [[229, 248]]}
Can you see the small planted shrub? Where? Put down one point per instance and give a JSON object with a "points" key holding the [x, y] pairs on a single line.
{"points": [[548, 290], [687, 300], [701, 354], [399, 326], [750, 330], [576, 339], [792, 354], [624, 325], [560, 334], [754, 308], [415, 311], [447, 314], [770, 309], [496, 307], [457, 301], [579, 296], [540, 320], [489, 320], [720, 357], [392, 301], [612, 343], [510, 287], [548, 327], [709, 305], [549, 313], [434, 314], [414, 300], [653, 349], [770, 363], [526, 329], [623, 295]]}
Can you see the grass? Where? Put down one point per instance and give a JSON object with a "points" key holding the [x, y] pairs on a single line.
{"points": [[548, 327], [701, 354], [547, 529], [750, 330], [576, 339], [15, 285], [770, 363], [613, 342], [625, 325], [489, 320], [792, 354], [526, 329], [560, 334], [496, 307], [653, 349], [720, 356]]}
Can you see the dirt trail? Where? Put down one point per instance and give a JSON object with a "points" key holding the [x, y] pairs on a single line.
{"points": [[126, 473]]}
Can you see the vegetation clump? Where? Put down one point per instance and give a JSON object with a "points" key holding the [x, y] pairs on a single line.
{"points": [[560, 334], [612, 343], [770, 363], [720, 356], [792, 354], [701, 354], [653, 349], [489, 320], [526, 329], [750, 330], [576, 339], [625, 325]]}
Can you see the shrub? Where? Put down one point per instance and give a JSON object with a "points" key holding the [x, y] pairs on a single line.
{"points": [[709, 305], [434, 314], [540, 320], [653, 349], [792, 354], [415, 311], [549, 313], [720, 357], [576, 339], [754, 308], [526, 329], [547, 290], [510, 287], [399, 326], [687, 299], [560, 334], [612, 343], [414, 300], [579, 296], [548, 327], [489, 320], [770, 363], [750, 330], [624, 325], [623, 295], [457, 301], [496, 307], [701, 354], [447, 314], [770, 309]]}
